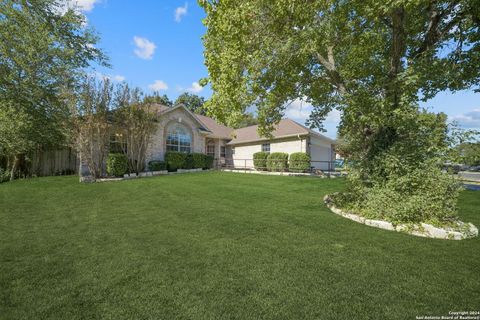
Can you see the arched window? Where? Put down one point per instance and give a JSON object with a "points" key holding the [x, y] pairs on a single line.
{"points": [[179, 138]]}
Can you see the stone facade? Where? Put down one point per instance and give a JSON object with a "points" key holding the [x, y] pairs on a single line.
{"points": [[157, 146]]}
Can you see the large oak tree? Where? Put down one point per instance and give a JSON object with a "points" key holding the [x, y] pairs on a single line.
{"points": [[372, 60]]}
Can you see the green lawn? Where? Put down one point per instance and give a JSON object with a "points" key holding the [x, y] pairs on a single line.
{"points": [[218, 246]]}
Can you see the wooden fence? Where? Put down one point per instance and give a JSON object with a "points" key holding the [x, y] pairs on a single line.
{"points": [[55, 162]]}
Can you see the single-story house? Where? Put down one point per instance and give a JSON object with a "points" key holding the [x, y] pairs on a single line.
{"points": [[181, 130]]}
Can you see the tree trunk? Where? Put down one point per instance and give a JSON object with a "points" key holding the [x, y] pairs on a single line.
{"points": [[16, 161]]}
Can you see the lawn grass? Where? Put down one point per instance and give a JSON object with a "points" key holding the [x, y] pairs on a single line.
{"points": [[218, 246]]}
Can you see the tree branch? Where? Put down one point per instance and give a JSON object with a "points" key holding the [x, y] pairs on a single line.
{"points": [[334, 75]]}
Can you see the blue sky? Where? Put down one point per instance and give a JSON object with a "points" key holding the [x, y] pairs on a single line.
{"points": [[156, 45]]}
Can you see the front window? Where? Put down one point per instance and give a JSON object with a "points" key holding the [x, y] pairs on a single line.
{"points": [[266, 147], [222, 151], [211, 148], [117, 143], [179, 139]]}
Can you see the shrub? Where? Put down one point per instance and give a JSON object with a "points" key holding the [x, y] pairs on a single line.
{"points": [[157, 165], [175, 160], [424, 194], [208, 162], [189, 163], [117, 164], [277, 161], [260, 160], [4, 175], [198, 160], [299, 162]]}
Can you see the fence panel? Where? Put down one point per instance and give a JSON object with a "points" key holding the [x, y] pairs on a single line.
{"points": [[55, 162]]}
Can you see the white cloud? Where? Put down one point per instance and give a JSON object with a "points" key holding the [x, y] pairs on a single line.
{"points": [[145, 48], [298, 110], [80, 6], [84, 5], [118, 78], [101, 76], [180, 12], [470, 119], [195, 88], [158, 85]]}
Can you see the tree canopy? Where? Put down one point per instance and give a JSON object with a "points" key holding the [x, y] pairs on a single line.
{"points": [[192, 102], [44, 48], [157, 98], [372, 60], [266, 53]]}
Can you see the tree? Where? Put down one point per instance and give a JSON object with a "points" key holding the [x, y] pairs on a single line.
{"points": [[43, 51], [247, 120], [157, 98], [372, 60], [192, 102], [135, 122], [92, 124]]}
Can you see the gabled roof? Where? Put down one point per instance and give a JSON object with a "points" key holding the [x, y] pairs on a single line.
{"points": [[214, 128], [285, 128], [218, 130]]}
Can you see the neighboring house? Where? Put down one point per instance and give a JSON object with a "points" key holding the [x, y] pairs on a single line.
{"points": [[181, 130]]}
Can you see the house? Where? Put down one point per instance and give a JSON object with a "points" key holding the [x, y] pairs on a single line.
{"points": [[181, 130]]}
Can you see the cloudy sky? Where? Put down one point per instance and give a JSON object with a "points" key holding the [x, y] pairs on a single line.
{"points": [[156, 45]]}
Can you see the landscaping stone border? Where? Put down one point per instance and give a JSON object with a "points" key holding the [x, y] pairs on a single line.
{"points": [[421, 230], [332, 175], [128, 176]]}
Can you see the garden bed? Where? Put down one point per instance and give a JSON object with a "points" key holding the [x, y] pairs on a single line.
{"points": [[462, 231]]}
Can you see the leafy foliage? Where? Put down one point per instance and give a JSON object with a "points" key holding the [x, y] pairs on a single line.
{"points": [[277, 161], [371, 60], [260, 160], [192, 102], [157, 165], [175, 160], [157, 98], [43, 52], [299, 162], [134, 119], [469, 153], [91, 123], [117, 164]]}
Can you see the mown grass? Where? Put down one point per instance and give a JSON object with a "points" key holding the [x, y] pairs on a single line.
{"points": [[218, 246]]}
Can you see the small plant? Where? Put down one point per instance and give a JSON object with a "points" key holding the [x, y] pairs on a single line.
{"points": [[117, 164], [260, 160], [157, 165], [175, 160], [277, 161], [299, 162]]}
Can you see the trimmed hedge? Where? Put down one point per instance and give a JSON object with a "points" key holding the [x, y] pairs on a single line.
{"points": [[198, 160], [299, 162], [175, 160], [208, 162], [117, 164], [260, 160], [157, 165], [277, 161], [179, 160]]}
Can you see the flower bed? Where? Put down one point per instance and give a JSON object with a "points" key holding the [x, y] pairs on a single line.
{"points": [[462, 231]]}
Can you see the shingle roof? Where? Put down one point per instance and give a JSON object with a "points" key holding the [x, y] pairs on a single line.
{"points": [[216, 129], [285, 128]]}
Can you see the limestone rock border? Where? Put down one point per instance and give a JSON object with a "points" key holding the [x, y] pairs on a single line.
{"points": [[421, 230]]}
